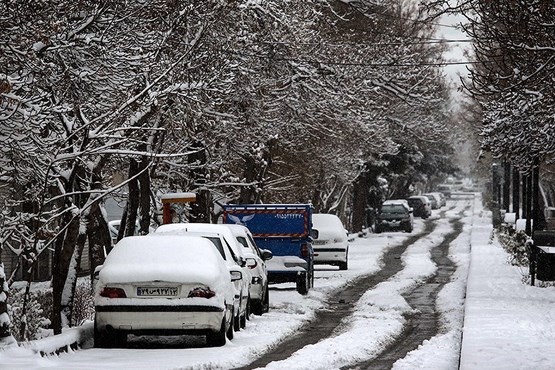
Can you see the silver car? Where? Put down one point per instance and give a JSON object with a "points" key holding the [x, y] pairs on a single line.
{"points": [[259, 293]]}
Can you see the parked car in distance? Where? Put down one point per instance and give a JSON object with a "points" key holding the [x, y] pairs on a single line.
{"points": [[237, 255], [259, 292], [421, 206], [330, 244], [445, 189], [404, 202], [394, 216], [437, 199], [442, 200], [161, 285]]}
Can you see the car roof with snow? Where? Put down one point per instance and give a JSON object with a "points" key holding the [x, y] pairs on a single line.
{"points": [[163, 257], [205, 227], [328, 225]]}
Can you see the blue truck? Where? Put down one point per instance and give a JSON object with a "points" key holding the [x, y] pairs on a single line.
{"points": [[285, 230]]}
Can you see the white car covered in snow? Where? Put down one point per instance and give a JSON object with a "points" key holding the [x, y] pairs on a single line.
{"points": [[259, 293], [238, 257], [161, 285], [330, 244]]}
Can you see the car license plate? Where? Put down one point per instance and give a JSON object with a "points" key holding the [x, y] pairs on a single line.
{"points": [[156, 292], [319, 242]]}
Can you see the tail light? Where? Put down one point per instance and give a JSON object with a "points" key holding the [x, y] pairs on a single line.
{"points": [[201, 293], [304, 250], [112, 292]]}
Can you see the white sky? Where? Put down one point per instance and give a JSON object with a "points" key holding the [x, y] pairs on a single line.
{"points": [[507, 324]]}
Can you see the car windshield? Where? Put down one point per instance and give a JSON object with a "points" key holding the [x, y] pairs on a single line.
{"points": [[393, 208]]}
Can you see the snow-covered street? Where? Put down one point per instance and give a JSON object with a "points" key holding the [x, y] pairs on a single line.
{"points": [[503, 323]]}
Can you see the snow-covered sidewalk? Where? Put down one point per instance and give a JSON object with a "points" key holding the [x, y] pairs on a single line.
{"points": [[507, 324]]}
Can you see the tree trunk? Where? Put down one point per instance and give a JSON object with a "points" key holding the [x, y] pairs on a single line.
{"points": [[6, 338], [361, 189], [201, 209], [529, 214], [132, 200], [144, 200], [100, 242], [516, 192], [68, 296], [60, 267], [248, 192], [507, 186]]}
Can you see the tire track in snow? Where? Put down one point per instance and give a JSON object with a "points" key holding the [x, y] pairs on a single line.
{"points": [[340, 305], [424, 322]]}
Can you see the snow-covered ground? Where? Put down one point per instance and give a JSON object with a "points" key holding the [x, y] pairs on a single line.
{"points": [[507, 325]]}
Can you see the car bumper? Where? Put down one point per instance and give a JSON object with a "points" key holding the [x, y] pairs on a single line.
{"points": [[393, 225], [330, 255], [283, 269], [156, 318]]}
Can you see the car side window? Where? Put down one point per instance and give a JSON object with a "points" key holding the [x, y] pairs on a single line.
{"points": [[243, 241], [218, 243], [233, 255], [254, 246]]}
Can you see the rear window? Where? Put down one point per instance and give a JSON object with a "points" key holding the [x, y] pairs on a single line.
{"points": [[414, 202], [393, 208]]}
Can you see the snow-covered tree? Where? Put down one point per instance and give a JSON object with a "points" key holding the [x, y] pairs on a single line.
{"points": [[513, 81]]}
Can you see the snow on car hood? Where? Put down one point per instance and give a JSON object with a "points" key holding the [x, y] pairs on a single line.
{"points": [[165, 258]]}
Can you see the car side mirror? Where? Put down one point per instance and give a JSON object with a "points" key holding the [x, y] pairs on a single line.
{"points": [[236, 275], [242, 262], [266, 254], [314, 234], [251, 263], [97, 271]]}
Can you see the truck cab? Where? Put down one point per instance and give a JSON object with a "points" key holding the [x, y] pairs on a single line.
{"points": [[285, 230]]}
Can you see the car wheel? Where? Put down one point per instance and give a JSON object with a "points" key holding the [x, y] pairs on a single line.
{"points": [[266, 302], [257, 308], [217, 339], [237, 322], [243, 319], [378, 230], [101, 339], [303, 283], [230, 332], [311, 276], [249, 308], [343, 265], [260, 306]]}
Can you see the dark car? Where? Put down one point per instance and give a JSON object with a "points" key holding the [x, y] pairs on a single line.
{"points": [[394, 217], [419, 206]]}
